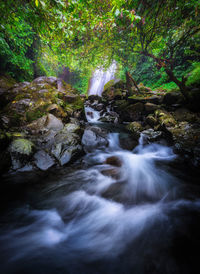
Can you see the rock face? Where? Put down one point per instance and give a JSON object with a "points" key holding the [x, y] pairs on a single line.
{"points": [[41, 111], [43, 160], [94, 138], [26, 102], [67, 143], [45, 123]]}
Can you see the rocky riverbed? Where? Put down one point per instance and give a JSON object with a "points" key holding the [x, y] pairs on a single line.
{"points": [[45, 123]]}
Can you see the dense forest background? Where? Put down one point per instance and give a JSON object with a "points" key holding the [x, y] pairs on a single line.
{"points": [[156, 41]]}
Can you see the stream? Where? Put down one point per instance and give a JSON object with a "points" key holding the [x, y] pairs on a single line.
{"points": [[138, 215]]}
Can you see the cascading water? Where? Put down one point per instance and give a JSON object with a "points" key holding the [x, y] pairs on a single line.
{"points": [[100, 78], [108, 218], [92, 115]]}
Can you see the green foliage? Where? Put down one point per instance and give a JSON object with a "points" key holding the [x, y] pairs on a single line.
{"points": [[16, 37], [194, 75], [40, 37]]}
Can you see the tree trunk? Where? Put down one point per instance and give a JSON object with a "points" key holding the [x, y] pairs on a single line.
{"points": [[131, 82], [180, 84], [165, 63]]}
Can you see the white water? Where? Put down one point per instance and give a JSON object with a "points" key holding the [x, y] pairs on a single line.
{"points": [[100, 78], [86, 226], [92, 115]]}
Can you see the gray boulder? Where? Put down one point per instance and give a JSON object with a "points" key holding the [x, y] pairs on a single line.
{"points": [[94, 138]]}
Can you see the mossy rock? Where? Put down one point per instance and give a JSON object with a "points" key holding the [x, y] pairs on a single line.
{"points": [[165, 118], [135, 128], [33, 115], [6, 82], [22, 146], [151, 120]]}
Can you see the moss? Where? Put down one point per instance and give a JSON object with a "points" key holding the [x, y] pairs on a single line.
{"points": [[22, 146], [109, 84], [34, 115]]}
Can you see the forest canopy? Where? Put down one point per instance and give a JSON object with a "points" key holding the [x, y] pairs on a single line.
{"points": [[156, 41]]}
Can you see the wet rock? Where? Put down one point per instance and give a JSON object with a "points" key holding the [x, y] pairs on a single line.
{"points": [[43, 160], [67, 143], [133, 112], [92, 98], [99, 107], [110, 116], [111, 172], [151, 135], [22, 146], [135, 128], [64, 153], [45, 123], [171, 98], [127, 141], [93, 138], [150, 107], [114, 161], [186, 138]]}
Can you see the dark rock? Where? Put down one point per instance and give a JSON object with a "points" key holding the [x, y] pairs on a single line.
{"points": [[183, 114], [186, 138], [133, 112], [142, 99], [151, 120], [194, 99], [5, 161], [114, 161], [127, 142], [150, 108], [171, 98], [111, 172], [99, 107], [92, 98]]}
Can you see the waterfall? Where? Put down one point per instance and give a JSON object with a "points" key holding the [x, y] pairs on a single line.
{"points": [[100, 78]]}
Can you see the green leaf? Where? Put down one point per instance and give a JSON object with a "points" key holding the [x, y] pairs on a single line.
{"points": [[37, 3]]}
